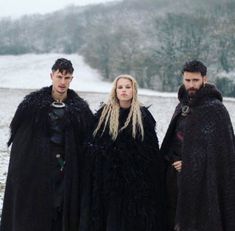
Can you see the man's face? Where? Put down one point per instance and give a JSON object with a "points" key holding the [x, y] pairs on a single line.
{"points": [[193, 81], [61, 81]]}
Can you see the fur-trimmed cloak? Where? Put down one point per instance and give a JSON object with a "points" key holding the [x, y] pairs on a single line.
{"points": [[206, 196], [28, 195], [124, 190]]}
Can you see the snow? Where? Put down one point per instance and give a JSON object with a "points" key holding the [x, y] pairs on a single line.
{"points": [[22, 74], [32, 71]]}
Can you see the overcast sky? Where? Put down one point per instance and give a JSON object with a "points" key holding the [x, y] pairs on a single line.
{"points": [[17, 8]]}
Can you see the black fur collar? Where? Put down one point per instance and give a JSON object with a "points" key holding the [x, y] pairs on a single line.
{"points": [[35, 107], [42, 98], [209, 91]]}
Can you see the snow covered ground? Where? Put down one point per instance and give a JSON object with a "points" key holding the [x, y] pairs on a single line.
{"points": [[19, 75]]}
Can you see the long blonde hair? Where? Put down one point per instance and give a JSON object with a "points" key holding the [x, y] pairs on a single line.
{"points": [[110, 112]]}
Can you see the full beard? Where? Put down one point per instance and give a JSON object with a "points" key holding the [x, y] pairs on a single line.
{"points": [[192, 91]]}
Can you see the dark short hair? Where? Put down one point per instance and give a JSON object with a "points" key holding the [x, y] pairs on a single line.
{"points": [[62, 65], [194, 66]]}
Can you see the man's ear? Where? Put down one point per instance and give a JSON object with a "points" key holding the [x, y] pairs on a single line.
{"points": [[205, 79]]}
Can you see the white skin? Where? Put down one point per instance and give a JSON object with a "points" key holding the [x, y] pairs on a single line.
{"points": [[192, 81], [124, 92], [60, 84]]}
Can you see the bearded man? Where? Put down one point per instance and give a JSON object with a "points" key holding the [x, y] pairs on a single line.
{"points": [[200, 152]]}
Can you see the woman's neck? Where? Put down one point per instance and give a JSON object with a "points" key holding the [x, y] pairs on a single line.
{"points": [[125, 104]]}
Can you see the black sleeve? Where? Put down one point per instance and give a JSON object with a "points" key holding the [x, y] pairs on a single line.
{"points": [[149, 124]]}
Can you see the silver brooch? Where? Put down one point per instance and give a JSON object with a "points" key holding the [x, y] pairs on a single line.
{"points": [[57, 104], [185, 110]]}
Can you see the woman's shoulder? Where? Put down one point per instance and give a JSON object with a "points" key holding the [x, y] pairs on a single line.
{"points": [[146, 112], [147, 117]]}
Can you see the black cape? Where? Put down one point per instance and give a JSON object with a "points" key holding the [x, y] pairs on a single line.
{"points": [[124, 189], [206, 196], [28, 195]]}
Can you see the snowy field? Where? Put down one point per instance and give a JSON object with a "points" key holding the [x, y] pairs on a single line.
{"points": [[20, 75]]}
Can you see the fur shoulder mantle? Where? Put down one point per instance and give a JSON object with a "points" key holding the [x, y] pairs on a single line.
{"points": [[42, 98], [35, 106]]}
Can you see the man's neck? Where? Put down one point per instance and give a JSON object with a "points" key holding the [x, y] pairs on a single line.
{"points": [[59, 97]]}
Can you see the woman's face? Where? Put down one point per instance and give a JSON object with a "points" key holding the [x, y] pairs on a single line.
{"points": [[124, 91]]}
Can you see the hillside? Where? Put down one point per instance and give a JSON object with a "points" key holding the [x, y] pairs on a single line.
{"points": [[150, 39]]}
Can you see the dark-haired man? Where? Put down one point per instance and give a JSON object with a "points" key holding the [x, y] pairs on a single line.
{"points": [[47, 135], [199, 149]]}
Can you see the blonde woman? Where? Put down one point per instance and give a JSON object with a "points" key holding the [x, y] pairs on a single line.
{"points": [[124, 190]]}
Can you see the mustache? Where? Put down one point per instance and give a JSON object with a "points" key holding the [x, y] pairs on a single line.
{"points": [[192, 89]]}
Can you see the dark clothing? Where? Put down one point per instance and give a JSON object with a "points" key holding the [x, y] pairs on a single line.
{"points": [[57, 177], [57, 221], [57, 152], [125, 189], [172, 176], [57, 125], [177, 141], [34, 188], [206, 194]]}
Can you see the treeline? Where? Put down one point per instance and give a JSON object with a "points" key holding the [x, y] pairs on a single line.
{"points": [[150, 39]]}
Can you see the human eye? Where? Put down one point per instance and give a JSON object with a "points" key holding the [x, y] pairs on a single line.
{"points": [[67, 78]]}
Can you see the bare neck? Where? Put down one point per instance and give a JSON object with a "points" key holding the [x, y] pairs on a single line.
{"points": [[58, 97], [124, 104]]}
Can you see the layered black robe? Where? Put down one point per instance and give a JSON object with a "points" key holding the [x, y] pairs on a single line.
{"points": [[28, 196], [124, 189], [206, 193]]}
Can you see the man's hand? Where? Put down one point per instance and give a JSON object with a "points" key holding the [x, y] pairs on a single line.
{"points": [[177, 165]]}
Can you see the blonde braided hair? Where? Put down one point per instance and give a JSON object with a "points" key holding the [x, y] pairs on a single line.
{"points": [[110, 112]]}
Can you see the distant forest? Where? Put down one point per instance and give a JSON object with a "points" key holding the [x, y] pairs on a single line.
{"points": [[149, 39]]}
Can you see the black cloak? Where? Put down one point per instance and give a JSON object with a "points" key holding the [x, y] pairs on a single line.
{"points": [[206, 195], [28, 195], [124, 190]]}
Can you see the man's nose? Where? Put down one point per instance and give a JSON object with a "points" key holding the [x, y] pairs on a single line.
{"points": [[191, 84]]}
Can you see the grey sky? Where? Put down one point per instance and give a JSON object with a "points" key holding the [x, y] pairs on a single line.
{"points": [[17, 8]]}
